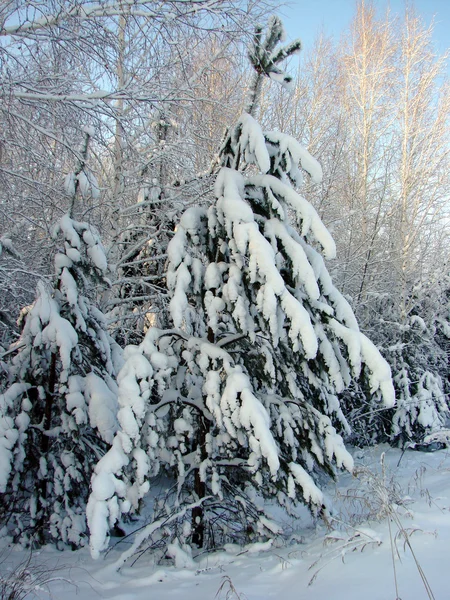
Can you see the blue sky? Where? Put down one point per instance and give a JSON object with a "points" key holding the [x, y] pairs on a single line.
{"points": [[304, 18]]}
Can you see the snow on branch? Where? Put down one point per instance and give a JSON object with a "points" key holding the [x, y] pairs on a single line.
{"points": [[81, 11]]}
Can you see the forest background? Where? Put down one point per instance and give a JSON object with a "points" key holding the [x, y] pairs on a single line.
{"points": [[115, 118]]}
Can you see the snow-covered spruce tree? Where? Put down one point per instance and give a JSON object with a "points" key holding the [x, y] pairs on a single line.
{"points": [[239, 399], [58, 413]]}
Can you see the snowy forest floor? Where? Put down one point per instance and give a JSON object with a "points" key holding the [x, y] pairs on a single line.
{"points": [[391, 523]]}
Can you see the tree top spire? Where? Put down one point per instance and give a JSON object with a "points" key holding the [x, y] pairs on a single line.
{"points": [[265, 58]]}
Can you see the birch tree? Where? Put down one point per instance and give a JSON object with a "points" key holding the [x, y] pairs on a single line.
{"points": [[111, 65]]}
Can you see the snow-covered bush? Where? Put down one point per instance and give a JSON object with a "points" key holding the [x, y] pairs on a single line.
{"points": [[416, 347], [58, 413], [239, 399], [419, 365]]}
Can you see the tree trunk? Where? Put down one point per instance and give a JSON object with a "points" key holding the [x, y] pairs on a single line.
{"points": [[44, 448], [198, 516]]}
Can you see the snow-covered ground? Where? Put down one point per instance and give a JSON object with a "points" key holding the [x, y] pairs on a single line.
{"points": [[390, 524]]}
